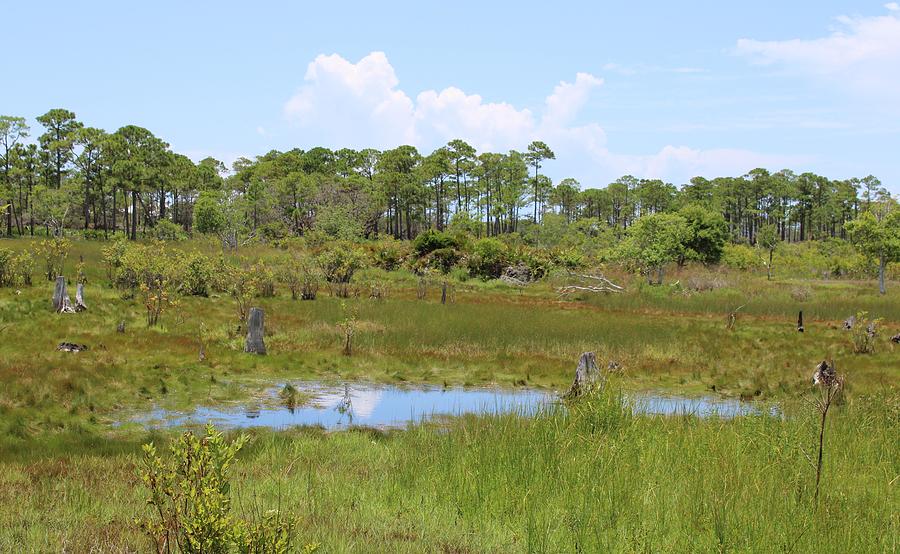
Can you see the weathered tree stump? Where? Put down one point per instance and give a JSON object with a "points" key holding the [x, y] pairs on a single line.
{"points": [[120, 328], [255, 332], [849, 323], [896, 339], [800, 322], [61, 302], [825, 374], [587, 375], [71, 347], [444, 292], [80, 306]]}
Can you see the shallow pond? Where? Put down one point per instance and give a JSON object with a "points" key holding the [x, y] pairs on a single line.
{"points": [[335, 406]]}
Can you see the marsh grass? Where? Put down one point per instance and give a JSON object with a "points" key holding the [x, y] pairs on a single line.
{"points": [[593, 478]]}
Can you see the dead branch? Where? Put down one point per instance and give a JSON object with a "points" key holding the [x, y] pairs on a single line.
{"points": [[603, 285]]}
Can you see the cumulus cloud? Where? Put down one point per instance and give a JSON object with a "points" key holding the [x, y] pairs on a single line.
{"points": [[863, 53], [361, 104]]}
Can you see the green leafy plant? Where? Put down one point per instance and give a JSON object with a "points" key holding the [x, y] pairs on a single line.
{"points": [[863, 332], [189, 497], [189, 494]]}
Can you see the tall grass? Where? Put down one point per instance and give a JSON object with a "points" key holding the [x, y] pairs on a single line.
{"points": [[594, 478]]}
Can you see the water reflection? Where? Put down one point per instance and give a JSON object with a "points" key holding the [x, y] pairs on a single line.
{"points": [[338, 406]]}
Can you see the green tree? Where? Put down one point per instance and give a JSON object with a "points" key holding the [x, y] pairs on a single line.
{"points": [[12, 130], [537, 153], [707, 234], [209, 217], [768, 239], [877, 238], [59, 140], [656, 240]]}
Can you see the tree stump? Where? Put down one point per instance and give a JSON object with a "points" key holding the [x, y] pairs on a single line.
{"points": [[120, 328], [849, 323], [80, 306], [800, 322], [824, 374], [587, 375], [444, 292], [255, 331], [61, 302], [896, 339]]}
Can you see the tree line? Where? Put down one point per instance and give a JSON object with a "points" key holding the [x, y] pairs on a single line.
{"points": [[130, 181]]}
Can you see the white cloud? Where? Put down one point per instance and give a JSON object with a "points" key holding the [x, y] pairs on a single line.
{"points": [[361, 105], [354, 104], [863, 54]]}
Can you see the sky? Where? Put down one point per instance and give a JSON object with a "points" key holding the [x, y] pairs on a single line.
{"points": [[663, 89]]}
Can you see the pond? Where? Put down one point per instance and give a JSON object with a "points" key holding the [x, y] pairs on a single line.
{"points": [[336, 406]]}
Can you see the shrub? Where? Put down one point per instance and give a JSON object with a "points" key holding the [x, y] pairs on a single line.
{"points": [[274, 231], [7, 267], [196, 275], [432, 240], [113, 256], [24, 267], [54, 252], [166, 230], [489, 257], [209, 215], [739, 256], [302, 276], [570, 259], [338, 263], [389, 254], [189, 495], [443, 259], [265, 279], [537, 260], [863, 333]]}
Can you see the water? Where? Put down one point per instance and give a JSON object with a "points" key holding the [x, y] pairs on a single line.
{"points": [[364, 404]]}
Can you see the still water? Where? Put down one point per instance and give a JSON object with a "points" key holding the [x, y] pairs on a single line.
{"points": [[335, 406]]}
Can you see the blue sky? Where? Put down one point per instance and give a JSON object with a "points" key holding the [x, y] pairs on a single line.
{"points": [[655, 89]]}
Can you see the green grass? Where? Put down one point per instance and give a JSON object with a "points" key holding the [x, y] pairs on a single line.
{"points": [[596, 480]]}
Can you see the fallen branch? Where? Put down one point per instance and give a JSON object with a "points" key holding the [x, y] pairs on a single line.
{"points": [[604, 285]]}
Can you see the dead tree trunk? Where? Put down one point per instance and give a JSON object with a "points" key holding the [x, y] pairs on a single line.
{"points": [[80, 306], [444, 292], [800, 322], [61, 302], [587, 375], [255, 330]]}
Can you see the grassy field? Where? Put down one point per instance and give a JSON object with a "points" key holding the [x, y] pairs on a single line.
{"points": [[592, 479]]}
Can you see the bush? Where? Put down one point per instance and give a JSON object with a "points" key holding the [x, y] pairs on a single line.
{"points": [[54, 251], [301, 275], [274, 231], [389, 254], [196, 275], [338, 263], [863, 333], [432, 240], [265, 279], [190, 501], [7, 268], [24, 265], [489, 257], [443, 259], [166, 230], [739, 256], [209, 216], [570, 259]]}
